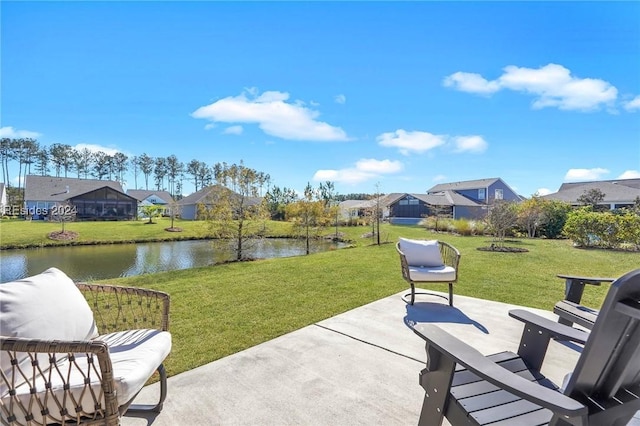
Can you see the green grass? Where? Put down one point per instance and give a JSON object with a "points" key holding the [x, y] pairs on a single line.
{"points": [[220, 310], [21, 234]]}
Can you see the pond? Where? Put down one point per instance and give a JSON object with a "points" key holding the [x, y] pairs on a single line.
{"points": [[97, 262]]}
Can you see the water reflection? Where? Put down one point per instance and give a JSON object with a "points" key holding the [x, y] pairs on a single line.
{"points": [[83, 263]]}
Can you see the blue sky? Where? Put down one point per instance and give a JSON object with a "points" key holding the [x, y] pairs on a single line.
{"points": [[370, 95]]}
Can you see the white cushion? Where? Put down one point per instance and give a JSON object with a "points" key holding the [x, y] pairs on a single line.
{"points": [[46, 306], [135, 355], [421, 252], [433, 273]]}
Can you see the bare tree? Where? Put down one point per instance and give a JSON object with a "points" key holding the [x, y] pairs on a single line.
{"points": [[501, 218], [62, 213], [329, 196], [308, 215], [236, 216]]}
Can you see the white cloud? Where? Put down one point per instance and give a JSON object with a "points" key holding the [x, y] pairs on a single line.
{"points": [[364, 170], [544, 191], [470, 144], [472, 83], [633, 104], [96, 148], [341, 99], [439, 178], [273, 114], [585, 174], [408, 142], [552, 86], [371, 165], [420, 142], [630, 174], [10, 132], [233, 130], [210, 126]]}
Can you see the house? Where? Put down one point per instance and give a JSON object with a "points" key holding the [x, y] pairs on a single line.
{"points": [[352, 210], [458, 200], [618, 193], [190, 205], [3, 200], [150, 197], [157, 198], [88, 199]]}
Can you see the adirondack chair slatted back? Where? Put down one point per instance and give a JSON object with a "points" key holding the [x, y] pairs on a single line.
{"points": [[610, 360]]}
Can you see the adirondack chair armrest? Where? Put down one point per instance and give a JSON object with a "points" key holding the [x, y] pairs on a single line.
{"points": [[555, 329], [450, 347]]}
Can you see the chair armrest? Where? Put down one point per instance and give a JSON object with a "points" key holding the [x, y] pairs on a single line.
{"points": [[118, 308], [463, 354], [555, 329], [450, 255], [49, 352], [404, 265]]}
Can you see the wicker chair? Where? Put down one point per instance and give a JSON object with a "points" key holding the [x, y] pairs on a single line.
{"points": [[67, 373], [427, 261]]}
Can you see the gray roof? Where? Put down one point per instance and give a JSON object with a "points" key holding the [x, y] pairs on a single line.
{"points": [[441, 198], [55, 189], [197, 197], [615, 191], [463, 185], [202, 195], [364, 204], [632, 183], [446, 198], [143, 194]]}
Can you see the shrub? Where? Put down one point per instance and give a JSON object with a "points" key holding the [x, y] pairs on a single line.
{"points": [[588, 228]]}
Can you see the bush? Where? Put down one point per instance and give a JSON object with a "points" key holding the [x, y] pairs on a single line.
{"points": [[554, 215], [588, 228]]}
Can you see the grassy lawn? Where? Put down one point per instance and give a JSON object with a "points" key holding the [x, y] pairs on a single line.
{"points": [[220, 310], [19, 233]]}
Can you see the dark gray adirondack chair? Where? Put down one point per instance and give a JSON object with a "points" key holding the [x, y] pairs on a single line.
{"points": [[468, 388]]}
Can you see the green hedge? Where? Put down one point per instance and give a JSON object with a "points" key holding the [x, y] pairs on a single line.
{"points": [[606, 230]]}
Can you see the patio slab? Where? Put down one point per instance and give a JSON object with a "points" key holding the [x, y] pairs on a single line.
{"points": [[359, 367]]}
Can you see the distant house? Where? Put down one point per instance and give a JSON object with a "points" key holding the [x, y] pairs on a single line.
{"points": [[191, 204], [156, 198], [91, 199], [458, 200], [352, 210], [618, 193]]}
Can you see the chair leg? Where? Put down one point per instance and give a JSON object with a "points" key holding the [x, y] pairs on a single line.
{"points": [[450, 294], [413, 293], [163, 395], [409, 298]]}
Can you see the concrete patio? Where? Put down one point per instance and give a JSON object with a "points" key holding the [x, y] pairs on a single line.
{"points": [[359, 367]]}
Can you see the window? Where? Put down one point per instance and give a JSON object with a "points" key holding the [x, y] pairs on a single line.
{"points": [[499, 194], [481, 194]]}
